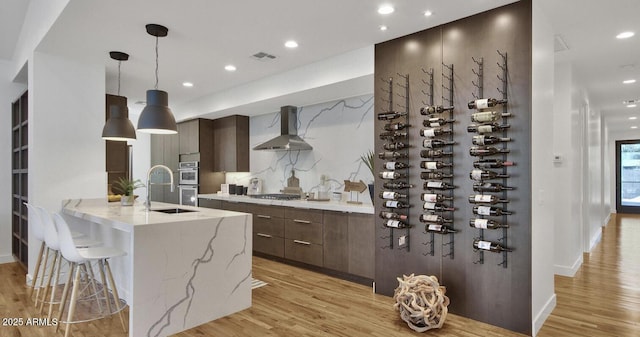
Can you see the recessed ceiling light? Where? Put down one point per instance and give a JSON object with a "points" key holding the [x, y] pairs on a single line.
{"points": [[291, 44], [633, 118], [385, 9], [187, 84], [383, 27], [428, 13], [629, 81], [631, 105], [230, 67], [634, 127], [625, 35]]}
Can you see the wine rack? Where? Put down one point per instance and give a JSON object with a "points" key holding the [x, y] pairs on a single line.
{"points": [[395, 173], [485, 127], [437, 156]]}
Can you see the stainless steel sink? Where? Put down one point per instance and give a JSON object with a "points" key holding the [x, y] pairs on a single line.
{"points": [[173, 210]]}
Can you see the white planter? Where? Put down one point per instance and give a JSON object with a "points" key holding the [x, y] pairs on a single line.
{"points": [[127, 200]]}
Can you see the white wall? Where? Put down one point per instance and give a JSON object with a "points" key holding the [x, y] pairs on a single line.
{"points": [[66, 116], [593, 188], [542, 186], [608, 204], [568, 129], [9, 92]]}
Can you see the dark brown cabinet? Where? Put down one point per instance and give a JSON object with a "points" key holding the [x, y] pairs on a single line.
{"points": [[117, 153], [303, 235], [361, 243], [231, 144], [336, 241], [268, 229], [164, 151]]}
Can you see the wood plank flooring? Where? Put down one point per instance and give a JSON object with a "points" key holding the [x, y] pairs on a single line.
{"points": [[602, 300]]}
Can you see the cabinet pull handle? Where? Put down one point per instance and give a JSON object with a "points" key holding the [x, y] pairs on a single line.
{"points": [[263, 216], [264, 235], [302, 242], [301, 221]]}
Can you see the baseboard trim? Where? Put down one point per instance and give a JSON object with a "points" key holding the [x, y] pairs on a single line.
{"points": [[543, 314], [7, 259], [606, 220], [595, 240], [569, 271]]}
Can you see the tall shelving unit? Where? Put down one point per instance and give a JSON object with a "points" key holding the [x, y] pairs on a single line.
{"points": [[19, 180]]}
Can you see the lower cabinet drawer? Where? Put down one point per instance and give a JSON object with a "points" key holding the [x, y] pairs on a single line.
{"points": [[268, 244], [268, 225], [303, 251]]}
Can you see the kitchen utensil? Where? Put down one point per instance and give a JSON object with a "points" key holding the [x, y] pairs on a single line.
{"points": [[293, 181]]}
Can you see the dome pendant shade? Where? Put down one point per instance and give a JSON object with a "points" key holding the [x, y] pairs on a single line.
{"points": [[156, 117], [118, 127]]}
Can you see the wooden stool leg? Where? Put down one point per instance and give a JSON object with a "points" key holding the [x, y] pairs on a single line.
{"points": [[37, 271], [72, 304], [105, 287], [115, 293], [65, 293], [46, 289], [44, 271], [92, 280], [55, 285]]}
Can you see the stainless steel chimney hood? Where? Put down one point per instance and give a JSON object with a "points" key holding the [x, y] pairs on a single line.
{"points": [[288, 139]]}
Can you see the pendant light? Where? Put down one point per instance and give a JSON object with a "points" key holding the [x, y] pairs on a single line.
{"points": [[118, 127], [156, 117]]}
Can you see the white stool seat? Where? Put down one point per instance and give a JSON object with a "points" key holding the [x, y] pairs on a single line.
{"points": [[97, 253], [86, 242]]}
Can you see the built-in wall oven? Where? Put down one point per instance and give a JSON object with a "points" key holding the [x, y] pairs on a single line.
{"points": [[188, 183]]}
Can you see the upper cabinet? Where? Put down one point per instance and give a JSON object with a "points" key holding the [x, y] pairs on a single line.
{"points": [[189, 133], [231, 144]]}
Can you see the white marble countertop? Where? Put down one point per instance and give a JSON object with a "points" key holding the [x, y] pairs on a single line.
{"points": [[340, 206], [126, 217]]}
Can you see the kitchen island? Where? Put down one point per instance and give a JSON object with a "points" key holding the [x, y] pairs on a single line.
{"points": [[181, 270], [339, 206]]}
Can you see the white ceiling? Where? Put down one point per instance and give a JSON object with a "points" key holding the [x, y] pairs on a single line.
{"points": [[206, 35]]}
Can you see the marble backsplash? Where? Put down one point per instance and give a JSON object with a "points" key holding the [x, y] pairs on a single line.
{"points": [[340, 132]]}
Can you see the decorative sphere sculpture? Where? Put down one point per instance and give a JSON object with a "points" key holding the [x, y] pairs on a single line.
{"points": [[421, 302]]}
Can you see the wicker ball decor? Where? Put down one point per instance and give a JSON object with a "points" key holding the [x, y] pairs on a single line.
{"points": [[421, 302]]}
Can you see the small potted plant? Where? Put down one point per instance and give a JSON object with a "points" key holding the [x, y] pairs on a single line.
{"points": [[367, 159], [126, 187]]}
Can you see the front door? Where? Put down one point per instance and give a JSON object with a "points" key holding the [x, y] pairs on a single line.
{"points": [[628, 176]]}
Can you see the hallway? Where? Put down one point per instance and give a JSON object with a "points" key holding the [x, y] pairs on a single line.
{"points": [[603, 299]]}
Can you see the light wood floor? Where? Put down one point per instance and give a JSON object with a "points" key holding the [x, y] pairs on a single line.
{"points": [[602, 300]]}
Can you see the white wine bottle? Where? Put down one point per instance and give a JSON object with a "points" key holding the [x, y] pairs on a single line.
{"points": [[392, 175], [387, 116], [434, 165], [395, 165], [436, 122], [396, 204], [392, 155], [487, 128], [480, 175], [437, 185], [434, 132], [436, 206], [436, 143], [486, 224], [395, 224], [434, 175], [399, 185], [488, 140], [490, 210], [485, 103], [490, 246], [395, 146], [488, 116], [393, 216], [434, 197], [435, 153], [393, 135], [434, 109], [434, 218], [441, 229], [396, 126], [392, 195], [486, 199]]}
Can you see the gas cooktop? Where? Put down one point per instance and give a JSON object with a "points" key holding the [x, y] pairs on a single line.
{"points": [[276, 196]]}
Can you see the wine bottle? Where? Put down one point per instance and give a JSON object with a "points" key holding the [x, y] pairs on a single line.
{"points": [[485, 103], [434, 218], [434, 175], [490, 210], [490, 246], [400, 185], [486, 199], [490, 187], [481, 151], [434, 197], [435, 122], [387, 116], [396, 126], [392, 175], [435, 143], [434, 132], [395, 224], [392, 155], [395, 165], [434, 109], [441, 229], [393, 135], [488, 140], [486, 224], [434, 153], [395, 204], [392, 195], [395, 146], [487, 128], [480, 175], [437, 185], [487, 116], [434, 165], [491, 163], [393, 216], [440, 207]]}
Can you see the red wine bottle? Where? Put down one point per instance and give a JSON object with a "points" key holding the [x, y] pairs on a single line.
{"points": [[486, 224], [396, 126], [395, 165], [491, 163], [440, 207], [490, 246], [490, 210], [435, 143], [485, 103], [400, 185], [437, 185], [393, 135], [395, 146], [393, 216], [487, 128], [392, 195], [440, 229], [480, 175], [434, 109], [392, 175], [436, 122], [481, 151], [486, 199], [392, 155], [488, 116], [488, 140], [395, 224], [396, 204], [387, 116], [434, 153], [434, 132], [434, 175], [490, 187], [434, 218], [434, 197], [434, 165]]}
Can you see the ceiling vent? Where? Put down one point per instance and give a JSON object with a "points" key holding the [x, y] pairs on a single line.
{"points": [[262, 56], [559, 44]]}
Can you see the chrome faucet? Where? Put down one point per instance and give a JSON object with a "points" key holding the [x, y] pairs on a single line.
{"points": [[148, 205]]}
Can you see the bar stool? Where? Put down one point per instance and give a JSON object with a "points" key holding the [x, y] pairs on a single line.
{"points": [[77, 257]]}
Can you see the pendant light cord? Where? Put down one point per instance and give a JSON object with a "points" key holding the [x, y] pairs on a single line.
{"points": [[156, 87], [119, 63]]}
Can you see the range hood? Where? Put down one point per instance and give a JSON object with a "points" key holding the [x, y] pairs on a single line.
{"points": [[288, 139]]}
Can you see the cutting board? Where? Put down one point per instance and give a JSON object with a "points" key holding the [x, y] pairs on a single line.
{"points": [[293, 181]]}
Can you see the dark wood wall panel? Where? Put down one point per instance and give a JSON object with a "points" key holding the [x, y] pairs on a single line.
{"points": [[485, 292]]}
